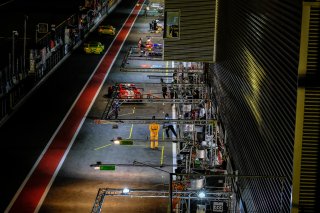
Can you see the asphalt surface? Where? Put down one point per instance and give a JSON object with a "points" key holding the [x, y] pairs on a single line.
{"points": [[26, 134]]}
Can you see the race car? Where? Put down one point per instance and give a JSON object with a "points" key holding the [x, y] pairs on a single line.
{"points": [[107, 30], [150, 46], [93, 47], [129, 91]]}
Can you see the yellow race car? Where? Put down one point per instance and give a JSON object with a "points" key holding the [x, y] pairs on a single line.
{"points": [[107, 30], [93, 47]]}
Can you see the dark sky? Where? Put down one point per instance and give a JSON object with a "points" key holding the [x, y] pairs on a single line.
{"points": [[13, 13], [34, 5]]}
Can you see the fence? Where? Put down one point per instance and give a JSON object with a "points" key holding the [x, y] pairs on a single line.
{"points": [[16, 81]]}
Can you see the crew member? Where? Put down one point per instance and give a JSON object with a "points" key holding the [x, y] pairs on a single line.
{"points": [[140, 46], [154, 134], [116, 108], [149, 44], [168, 126], [164, 88]]}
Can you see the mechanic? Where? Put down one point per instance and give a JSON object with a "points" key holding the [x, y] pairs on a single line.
{"points": [[116, 108], [168, 126], [171, 89], [149, 42], [164, 88], [146, 11], [154, 134], [155, 24], [140, 46]]}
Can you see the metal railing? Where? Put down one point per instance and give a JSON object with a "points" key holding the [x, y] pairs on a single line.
{"points": [[50, 49]]}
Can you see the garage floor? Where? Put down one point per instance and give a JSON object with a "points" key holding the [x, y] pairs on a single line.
{"points": [[76, 185]]}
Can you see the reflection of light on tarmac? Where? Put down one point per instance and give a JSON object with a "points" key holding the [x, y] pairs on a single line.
{"points": [[145, 65]]}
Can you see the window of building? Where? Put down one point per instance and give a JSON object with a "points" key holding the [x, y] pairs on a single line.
{"points": [[172, 24]]}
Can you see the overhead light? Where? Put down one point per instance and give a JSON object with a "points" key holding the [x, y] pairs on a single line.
{"points": [[97, 165], [125, 191], [123, 141], [201, 194]]}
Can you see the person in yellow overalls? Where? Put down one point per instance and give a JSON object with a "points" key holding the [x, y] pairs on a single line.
{"points": [[154, 134]]}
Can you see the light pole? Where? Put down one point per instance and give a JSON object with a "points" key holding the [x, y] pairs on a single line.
{"points": [[14, 33]]}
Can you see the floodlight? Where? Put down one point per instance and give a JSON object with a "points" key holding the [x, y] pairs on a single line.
{"points": [[201, 194], [125, 191]]}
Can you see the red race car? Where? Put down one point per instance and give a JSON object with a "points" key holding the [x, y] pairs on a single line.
{"points": [[129, 91]]}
